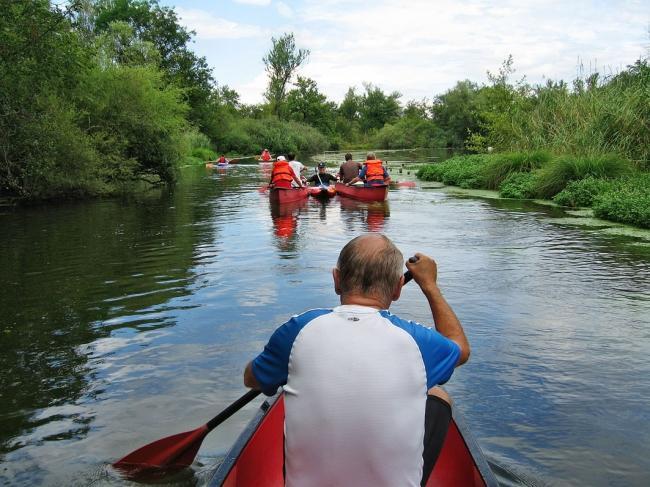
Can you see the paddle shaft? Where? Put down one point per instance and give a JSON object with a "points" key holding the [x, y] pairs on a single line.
{"points": [[232, 409]]}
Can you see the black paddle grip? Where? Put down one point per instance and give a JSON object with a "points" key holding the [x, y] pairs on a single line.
{"points": [[408, 275]]}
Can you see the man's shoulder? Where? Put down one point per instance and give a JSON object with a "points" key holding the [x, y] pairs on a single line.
{"points": [[410, 326], [305, 317]]}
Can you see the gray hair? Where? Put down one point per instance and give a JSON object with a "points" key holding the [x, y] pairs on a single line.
{"points": [[369, 270], [370, 156]]}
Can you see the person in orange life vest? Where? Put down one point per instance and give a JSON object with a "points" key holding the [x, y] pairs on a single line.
{"points": [[373, 173], [266, 156], [222, 160], [282, 174]]}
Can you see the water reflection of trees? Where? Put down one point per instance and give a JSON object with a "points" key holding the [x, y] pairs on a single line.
{"points": [[71, 275], [372, 215]]}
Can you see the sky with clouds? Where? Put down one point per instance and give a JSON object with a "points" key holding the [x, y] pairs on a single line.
{"points": [[420, 48]]}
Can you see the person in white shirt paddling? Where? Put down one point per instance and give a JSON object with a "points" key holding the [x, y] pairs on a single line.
{"points": [[362, 406]]}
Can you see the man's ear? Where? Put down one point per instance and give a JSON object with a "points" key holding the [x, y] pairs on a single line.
{"points": [[336, 275], [398, 289]]}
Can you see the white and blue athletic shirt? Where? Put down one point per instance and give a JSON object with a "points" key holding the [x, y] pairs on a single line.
{"points": [[355, 382]]}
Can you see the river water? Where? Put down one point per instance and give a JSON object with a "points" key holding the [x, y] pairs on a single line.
{"points": [[126, 320]]}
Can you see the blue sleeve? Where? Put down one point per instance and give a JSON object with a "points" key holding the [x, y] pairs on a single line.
{"points": [[362, 173], [385, 172], [271, 367], [439, 353]]}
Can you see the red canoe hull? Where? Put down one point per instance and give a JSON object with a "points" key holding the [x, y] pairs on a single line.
{"points": [[363, 193], [286, 195], [257, 458]]}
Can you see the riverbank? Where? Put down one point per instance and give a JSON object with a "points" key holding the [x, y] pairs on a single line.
{"points": [[610, 185]]}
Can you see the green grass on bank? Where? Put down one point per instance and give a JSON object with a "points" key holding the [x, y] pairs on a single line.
{"points": [[609, 184]]}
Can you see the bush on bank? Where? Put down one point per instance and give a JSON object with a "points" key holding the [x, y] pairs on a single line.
{"points": [[249, 136], [627, 200], [608, 183]]}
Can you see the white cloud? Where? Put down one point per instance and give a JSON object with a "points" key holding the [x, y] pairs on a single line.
{"points": [[284, 9], [421, 48], [252, 90], [208, 26]]}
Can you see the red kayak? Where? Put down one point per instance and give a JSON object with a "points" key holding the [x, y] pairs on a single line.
{"points": [[257, 457], [363, 193], [322, 192], [286, 195]]}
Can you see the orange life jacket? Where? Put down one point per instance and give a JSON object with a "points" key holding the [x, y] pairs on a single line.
{"points": [[374, 170], [266, 156], [282, 172]]}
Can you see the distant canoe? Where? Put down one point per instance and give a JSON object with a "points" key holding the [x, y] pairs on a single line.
{"points": [[363, 193], [403, 184], [286, 195], [212, 164]]}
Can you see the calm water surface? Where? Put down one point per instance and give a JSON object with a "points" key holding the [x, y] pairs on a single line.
{"points": [[124, 321]]}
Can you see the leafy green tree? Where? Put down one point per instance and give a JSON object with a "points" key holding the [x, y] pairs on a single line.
{"points": [[136, 120], [350, 107], [160, 26], [377, 108], [417, 110], [456, 113], [119, 45], [495, 106], [42, 61], [306, 104], [281, 63], [229, 98]]}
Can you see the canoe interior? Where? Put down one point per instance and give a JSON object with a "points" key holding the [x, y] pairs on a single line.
{"points": [[322, 192], [286, 195], [363, 193], [258, 456]]}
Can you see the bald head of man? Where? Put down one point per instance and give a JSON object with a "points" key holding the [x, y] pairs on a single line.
{"points": [[369, 271]]}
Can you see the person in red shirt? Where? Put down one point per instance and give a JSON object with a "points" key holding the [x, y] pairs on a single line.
{"points": [[266, 156]]}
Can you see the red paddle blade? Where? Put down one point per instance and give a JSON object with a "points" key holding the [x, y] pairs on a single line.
{"points": [[406, 184], [170, 453]]}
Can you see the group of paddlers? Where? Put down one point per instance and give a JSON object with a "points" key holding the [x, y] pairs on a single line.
{"points": [[286, 172]]}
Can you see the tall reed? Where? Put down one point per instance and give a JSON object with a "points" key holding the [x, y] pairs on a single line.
{"points": [[555, 175], [611, 115]]}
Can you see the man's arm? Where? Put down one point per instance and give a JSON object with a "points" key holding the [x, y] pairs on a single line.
{"points": [[425, 273], [249, 378], [386, 176], [360, 177]]}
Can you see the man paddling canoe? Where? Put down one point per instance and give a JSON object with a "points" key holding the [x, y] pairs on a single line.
{"points": [[322, 177], [349, 169], [356, 376], [373, 172]]}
